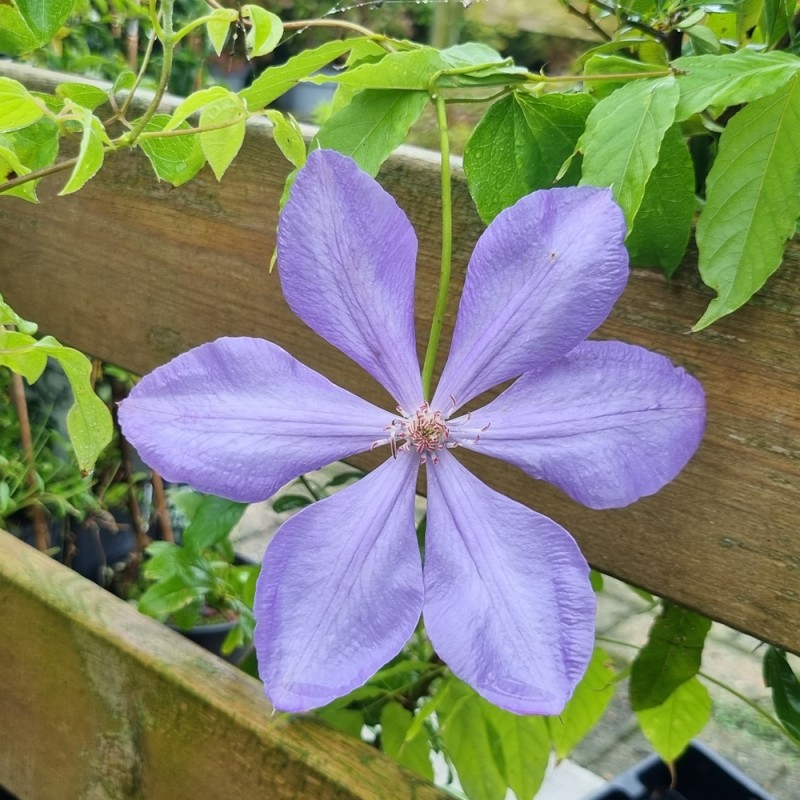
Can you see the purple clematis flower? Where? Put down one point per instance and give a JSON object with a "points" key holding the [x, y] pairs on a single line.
{"points": [[504, 591]]}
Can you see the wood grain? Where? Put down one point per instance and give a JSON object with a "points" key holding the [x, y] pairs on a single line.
{"points": [[136, 272], [100, 702]]}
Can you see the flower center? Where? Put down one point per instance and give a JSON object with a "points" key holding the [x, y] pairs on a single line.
{"points": [[424, 431]]}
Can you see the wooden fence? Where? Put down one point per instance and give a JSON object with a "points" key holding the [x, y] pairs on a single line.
{"points": [[134, 272]]}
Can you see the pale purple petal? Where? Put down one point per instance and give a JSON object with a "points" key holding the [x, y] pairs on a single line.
{"points": [[543, 276], [508, 603], [340, 591], [346, 255], [240, 417], [609, 423]]}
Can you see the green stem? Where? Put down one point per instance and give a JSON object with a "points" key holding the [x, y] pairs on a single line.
{"points": [[196, 23], [447, 250], [123, 110], [191, 131]]}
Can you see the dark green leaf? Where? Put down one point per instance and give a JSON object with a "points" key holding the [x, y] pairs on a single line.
{"points": [[730, 79], [779, 677], [752, 200], [44, 17], [670, 727], [342, 478], [586, 706], [670, 658], [623, 137], [776, 19], [371, 126], [175, 159], [414, 752], [274, 81], [290, 502], [662, 227], [214, 519], [520, 145]]}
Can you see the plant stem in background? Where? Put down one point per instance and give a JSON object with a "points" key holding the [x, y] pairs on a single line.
{"points": [[40, 529], [446, 23], [447, 249], [162, 511]]}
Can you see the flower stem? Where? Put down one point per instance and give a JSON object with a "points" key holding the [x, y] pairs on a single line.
{"points": [[447, 249]]}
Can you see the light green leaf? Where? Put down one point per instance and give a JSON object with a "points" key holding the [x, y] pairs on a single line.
{"points": [[10, 317], [18, 108], [274, 81], [672, 725], [469, 744], [44, 17], [663, 225], [90, 154], [36, 146], [288, 137], [752, 200], [125, 80], [195, 101], [610, 64], [524, 747], [221, 146], [15, 36], [18, 353], [670, 658], [372, 125], [167, 597], [88, 420], [349, 720], [703, 40], [586, 706], [730, 79], [413, 753], [219, 25], [265, 32], [623, 137], [83, 94], [175, 159], [519, 146], [11, 167], [213, 520]]}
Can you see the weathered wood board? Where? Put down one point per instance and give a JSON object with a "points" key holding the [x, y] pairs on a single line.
{"points": [[99, 702], [135, 272]]}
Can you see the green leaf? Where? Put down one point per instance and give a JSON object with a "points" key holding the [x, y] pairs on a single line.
{"points": [[18, 108], [88, 419], [520, 145], [372, 125], [349, 720], [16, 37], [34, 147], [221, 146], [175, 159], [90, 154], [524, 748], [275, 81], [663, 225], [730, 79], [752, 200], [213, 521], [83, 94], [468, 742], [169, 596], [779, 677], [195, 101], [609, 64], [10, 317], [11, 167], [413, 753], [670, 726], [776, 19], [19, 354], [623, 137], [342, 478], [290, 502], [586, 706], [44, 17], [265, 31], [670, 658], [288, 137], [703, 40], [124, 81], [219, 25]]}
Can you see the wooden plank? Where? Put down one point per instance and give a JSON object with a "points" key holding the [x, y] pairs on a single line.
{"points": [[136, 272], [98, 701]]}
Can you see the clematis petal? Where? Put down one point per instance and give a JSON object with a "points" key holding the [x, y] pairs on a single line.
{"points": [[608, 423], [508, 603], [340, 591], [543, 276], [239, 417], [346, 255]]}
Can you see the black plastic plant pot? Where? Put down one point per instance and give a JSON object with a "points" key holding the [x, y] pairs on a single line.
{"points": [[211, 637], [701, 775]]}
